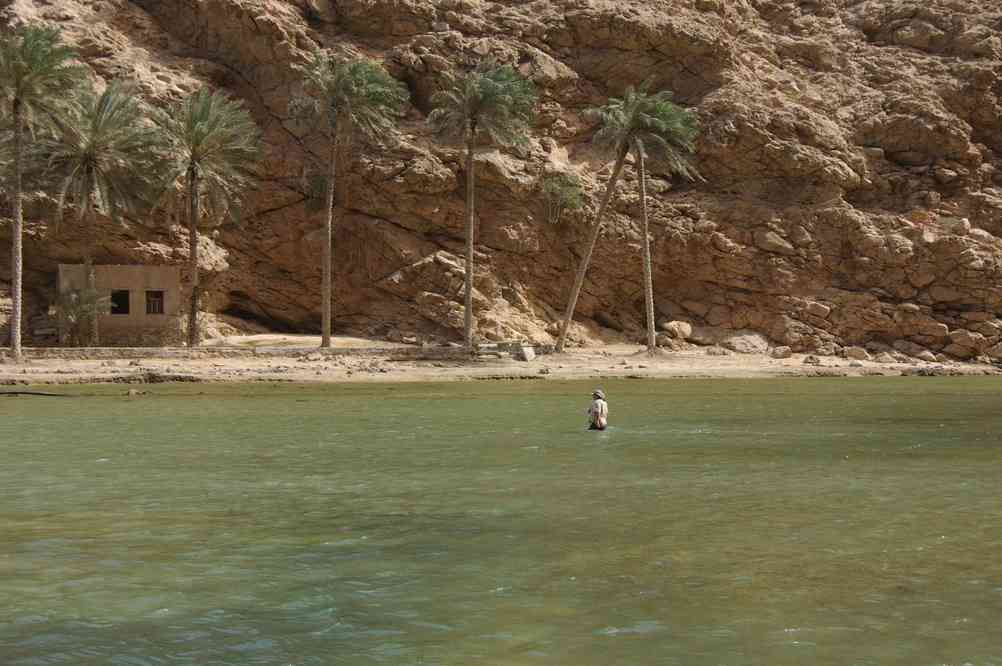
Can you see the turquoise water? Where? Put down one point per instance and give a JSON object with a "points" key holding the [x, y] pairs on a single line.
{"points": [[821, 521]]}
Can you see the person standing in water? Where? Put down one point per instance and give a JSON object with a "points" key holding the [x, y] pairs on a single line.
{"points": [[598, 413]]}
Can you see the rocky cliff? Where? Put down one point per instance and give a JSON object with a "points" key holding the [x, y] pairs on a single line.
{"points": [[851, 150]]}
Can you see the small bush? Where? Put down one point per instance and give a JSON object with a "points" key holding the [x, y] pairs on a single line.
{"points": [[76, 311], [562, 192]]}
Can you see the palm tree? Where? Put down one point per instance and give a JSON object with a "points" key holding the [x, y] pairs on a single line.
{"points": [[212, 143], [493, 100], [353, 100], [36, 70], [652, 127], [104, 159]]}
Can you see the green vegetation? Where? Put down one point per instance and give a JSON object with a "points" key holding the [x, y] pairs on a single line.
{"points": [[36, 70], [102, 157], [107, 154], [77, 311], [493, 101], [352, 101], [211, 145], [563, 192], [649, 125]]}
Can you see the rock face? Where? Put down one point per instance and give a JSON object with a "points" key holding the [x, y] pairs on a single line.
{"points": [[851, 155]]}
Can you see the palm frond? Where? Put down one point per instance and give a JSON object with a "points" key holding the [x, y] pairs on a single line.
{"points": [[492, 99], [216, 136], [651, 124], [355, 99], [102, 154], [37, 70]]}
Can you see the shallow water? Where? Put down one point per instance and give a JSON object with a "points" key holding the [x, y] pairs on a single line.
{"points": [[848, 521]]}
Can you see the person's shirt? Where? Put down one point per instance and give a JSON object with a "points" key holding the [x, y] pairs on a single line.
{"points": [[599, 412]]}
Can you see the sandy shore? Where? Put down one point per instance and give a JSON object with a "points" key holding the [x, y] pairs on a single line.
{"points": [[288, 362]]}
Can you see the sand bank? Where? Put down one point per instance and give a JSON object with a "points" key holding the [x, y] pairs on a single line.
{"points": [[357, 360]]}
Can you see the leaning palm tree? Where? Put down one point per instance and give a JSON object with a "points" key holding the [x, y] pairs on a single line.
{"points": [[495, 101], [652, 127], [103, 159], [36, 70], [352, 100], [212, 143]]}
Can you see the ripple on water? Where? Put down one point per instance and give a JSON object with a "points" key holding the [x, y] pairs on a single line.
{"points": [[30, 619], [46, 640], [132, 660], [433, 626], [253, 646], [644, 627]]}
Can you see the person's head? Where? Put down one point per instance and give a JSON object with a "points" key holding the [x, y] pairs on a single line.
{"points": [[598, 394]]}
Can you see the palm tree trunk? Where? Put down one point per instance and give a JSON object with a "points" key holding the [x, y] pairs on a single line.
{"points": [[583, 268], [17, 268], [648, 271], [95, 335], [328, 278], [470, 216], [193, 334], [92, 323]]}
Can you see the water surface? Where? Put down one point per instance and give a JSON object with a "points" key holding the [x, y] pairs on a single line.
{"points": [[824, 521]]}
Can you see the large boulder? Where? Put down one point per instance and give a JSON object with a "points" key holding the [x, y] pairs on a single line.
{"points": [[743, 341], [857, 354], [680, 330], [965, 339], [746, 342]]}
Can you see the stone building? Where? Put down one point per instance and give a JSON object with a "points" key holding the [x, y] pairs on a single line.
{"points": [[145, 301]]}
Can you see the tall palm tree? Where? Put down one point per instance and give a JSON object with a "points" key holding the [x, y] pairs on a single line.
{"points": [[36, 70], [494, 101], [652, 127], [212, 144], [353, 100], [103, 157]]}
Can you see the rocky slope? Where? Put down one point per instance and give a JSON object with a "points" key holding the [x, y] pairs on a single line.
{"points": [[851, 150]]}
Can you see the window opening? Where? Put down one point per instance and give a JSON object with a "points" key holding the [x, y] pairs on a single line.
{"points": [[120, 302], [154, 302]]}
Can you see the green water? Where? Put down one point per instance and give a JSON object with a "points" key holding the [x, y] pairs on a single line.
{"points": [[848, 521]]}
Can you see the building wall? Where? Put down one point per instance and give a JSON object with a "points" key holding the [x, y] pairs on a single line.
{"points": [[137, 280]]}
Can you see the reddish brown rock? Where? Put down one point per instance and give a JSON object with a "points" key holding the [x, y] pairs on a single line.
{"points": [[850, 155]]}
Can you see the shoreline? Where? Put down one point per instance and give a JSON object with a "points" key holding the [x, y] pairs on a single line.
{"points": [[369, 364]]}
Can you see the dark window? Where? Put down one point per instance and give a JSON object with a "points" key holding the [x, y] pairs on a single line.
{"points": [[154, 302], [120, 302]]}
